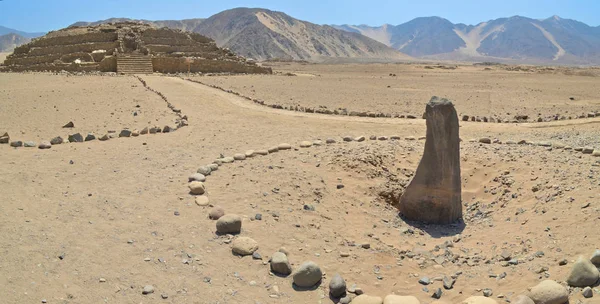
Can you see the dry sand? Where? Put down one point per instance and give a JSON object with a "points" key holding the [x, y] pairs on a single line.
{"points": [[370, 88], [113, 206]]}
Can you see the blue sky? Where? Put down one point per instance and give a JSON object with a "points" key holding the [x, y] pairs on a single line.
{"points": [[45, 15]]}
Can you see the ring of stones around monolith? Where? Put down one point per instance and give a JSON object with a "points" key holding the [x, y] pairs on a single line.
{"points": [[434, 194]]}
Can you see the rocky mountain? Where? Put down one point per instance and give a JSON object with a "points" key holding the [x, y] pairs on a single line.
{"points": [[189, 25], [6, 30], [511, 39], [263, 34], [9, 42]]}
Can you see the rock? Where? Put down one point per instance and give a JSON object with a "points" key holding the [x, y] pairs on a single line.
{"points": [[197, 188], [216, 213], [273, 149], [366, 299], [75, 138], [213, 167], [583, 274], [45, 145], [261, 152], [145, 131], [16, 143], [202, 201], [337, 286], [434, 194], [360, 139], [284, 146], [487, 292], [317, 143], [148, 289], [410, 138], [346, 300], [522, 299], [154, 130], [306, 144], [372, 137], [70, 124], [394, 299], [168, 129], [244, 246], [424, 281], [229, 224], [595, 259], [549, 292], [249, 153], [596, 152], [90, 137], [197, 177], [256, 256], [239, 156], [308, 275], [479, 300], [587, 150], [395, 137], [135, 133], [448, 282], [587, 292], [57, 140], [347, 138], [4, 139], [330, 141], [125, 133], [29, 144], [225, 160], [437, 294], [382, 138], [485, 140], [104, 138], [206, 170], [280, 264]]}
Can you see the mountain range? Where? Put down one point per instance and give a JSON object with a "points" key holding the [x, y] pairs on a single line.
{"points": [[516, 38], [263, 34], [11, 38]]}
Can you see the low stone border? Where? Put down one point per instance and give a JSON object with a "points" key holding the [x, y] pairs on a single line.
{"points": [[517, 118], [78, 137], [308, 274]]}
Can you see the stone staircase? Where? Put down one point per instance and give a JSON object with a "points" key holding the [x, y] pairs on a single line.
{"points": [[134, 64]]}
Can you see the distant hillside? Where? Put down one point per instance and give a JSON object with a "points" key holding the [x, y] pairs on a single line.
{"points": [[6, 30], [515, 38], [263, 34], [189, 25], [9, 42]]}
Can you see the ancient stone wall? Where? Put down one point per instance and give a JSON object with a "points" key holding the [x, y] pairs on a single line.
{"points": [[176, 65]]}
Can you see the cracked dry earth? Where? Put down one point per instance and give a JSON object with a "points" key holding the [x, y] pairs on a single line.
{"points": [[96, 222]]}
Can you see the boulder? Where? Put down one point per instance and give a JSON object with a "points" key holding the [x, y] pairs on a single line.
{"points": [[16, 143], [306, 144], [197, 188], [337, 286], [197, 177], [145, 131], [202, 201], [216, 213], [239, 156], [77, 137], [549, 292], [70, 124], [125, 133], [229, 224], [394, 299], [261, 152], [249, 153], [522, 299], [583, 273], [485, 140], [225, 160], [308, 275], [595, 259], [330, 141], [45, 145], [244, 246], [479, 300], [360, 139], [273, 149], [205, 170], [284, 146], [434, 194], [4, 139], [57, 140], [366, 299], [90, 137], [280, 264], [29, 144]]}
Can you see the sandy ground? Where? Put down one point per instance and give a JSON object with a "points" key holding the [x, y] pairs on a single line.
{"points": [[36, 106], [108, 208], [3, 56], [494, 93]]}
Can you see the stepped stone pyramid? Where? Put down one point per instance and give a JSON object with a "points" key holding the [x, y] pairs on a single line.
{"points": [[128, 48]]}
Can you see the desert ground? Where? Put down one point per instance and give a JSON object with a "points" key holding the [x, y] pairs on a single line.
{"points": [[3, 56], [98, 221]]}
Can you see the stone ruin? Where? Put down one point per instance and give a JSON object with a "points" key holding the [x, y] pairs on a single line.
{"points": [[128, 48], [434, 194]]}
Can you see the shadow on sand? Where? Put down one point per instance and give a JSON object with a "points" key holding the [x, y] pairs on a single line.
{"points": [[437, 231]]}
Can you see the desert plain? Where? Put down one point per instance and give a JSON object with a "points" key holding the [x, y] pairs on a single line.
{"points": [[96, 222]]}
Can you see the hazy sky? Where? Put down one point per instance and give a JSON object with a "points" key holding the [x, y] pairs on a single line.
{"points": [[45, 15]]}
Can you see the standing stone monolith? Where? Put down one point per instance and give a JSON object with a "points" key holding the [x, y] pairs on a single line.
{"points": [[434, 194]]}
